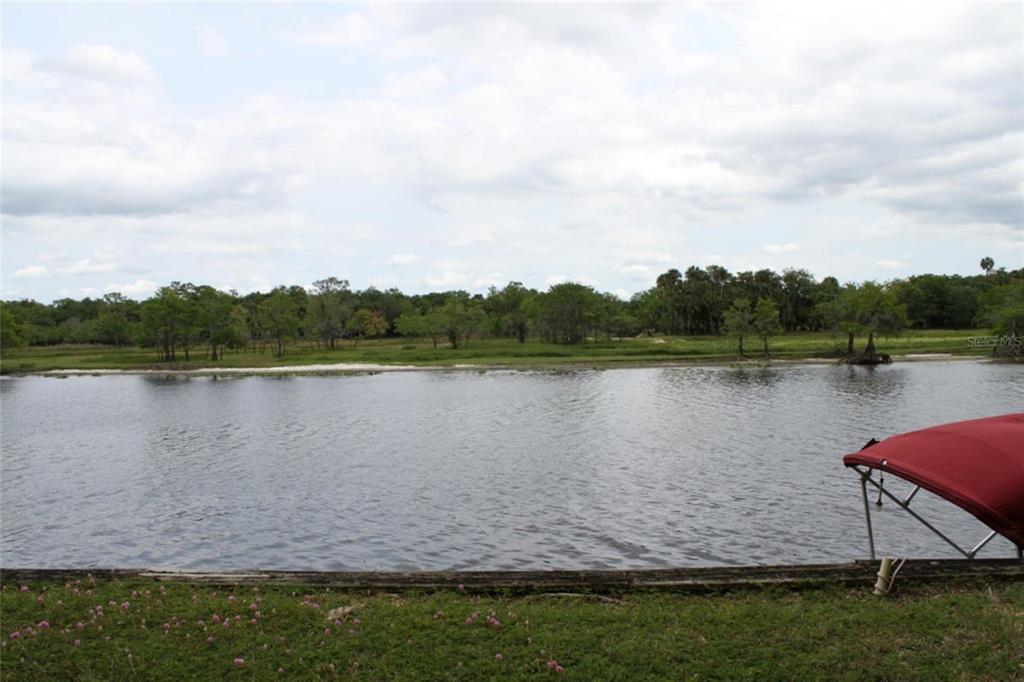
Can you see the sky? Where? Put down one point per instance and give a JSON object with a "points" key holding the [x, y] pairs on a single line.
{"points": [[432, 147]]}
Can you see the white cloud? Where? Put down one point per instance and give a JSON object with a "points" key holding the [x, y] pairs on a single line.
{"points": [[647, 257], [789, 247], [257, 283], [17, 68], [68, 292], [643, 266], [384, 282], [350, 31], [59, 266], [81, 161], [30, 271], [402, 259], [891, 264], [490, 279], [465, 237], [212, 41], [415, 83], [657, 132], [641, 273], [86, 266], [552, 280], [140, 288], [445, 279], [206, 247], [101, 62]]}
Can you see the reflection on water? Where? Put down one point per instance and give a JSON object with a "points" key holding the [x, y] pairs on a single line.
{"points": [[481, 470]]}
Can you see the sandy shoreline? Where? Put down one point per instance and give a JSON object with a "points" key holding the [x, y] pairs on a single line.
{"points": [[342, 368], [339, 368]]}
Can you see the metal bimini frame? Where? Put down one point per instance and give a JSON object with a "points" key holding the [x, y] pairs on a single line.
{"points": [[904, 504]]}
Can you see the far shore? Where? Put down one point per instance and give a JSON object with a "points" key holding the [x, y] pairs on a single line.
{"points": [[405, 355], [343, 368]]}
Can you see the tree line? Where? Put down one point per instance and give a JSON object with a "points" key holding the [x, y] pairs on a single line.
{"points": [[182, 319]]}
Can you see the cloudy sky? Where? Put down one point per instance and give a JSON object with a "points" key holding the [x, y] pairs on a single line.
{"points": [[432, 147]]}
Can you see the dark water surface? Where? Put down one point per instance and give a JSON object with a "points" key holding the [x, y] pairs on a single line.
{"points": [[466, 470]]}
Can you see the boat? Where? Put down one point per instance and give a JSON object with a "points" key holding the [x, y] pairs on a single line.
{"points": [[977, 464]]}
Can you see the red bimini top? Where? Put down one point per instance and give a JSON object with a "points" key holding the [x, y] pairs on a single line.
{"points": [[977, 465]]}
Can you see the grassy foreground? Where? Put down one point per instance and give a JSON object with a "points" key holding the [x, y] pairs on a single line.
{"points": [[503, 352], [146, 630]]}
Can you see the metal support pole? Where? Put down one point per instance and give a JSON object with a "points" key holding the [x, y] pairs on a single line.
{"points": [[904, 504], [981, 544], [918, 517], [867, 512]]}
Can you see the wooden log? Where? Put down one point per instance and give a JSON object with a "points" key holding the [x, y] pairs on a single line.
{"points": [[704, 579]]}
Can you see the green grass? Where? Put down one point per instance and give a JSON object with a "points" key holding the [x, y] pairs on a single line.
{"points": [[176, 632], [793, 346]]}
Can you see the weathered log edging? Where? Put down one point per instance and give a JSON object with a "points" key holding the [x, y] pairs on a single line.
{"points": [[712, 579]]}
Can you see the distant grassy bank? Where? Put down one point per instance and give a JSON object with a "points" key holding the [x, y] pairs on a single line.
{"points": [[500, 352], [148, 630]]}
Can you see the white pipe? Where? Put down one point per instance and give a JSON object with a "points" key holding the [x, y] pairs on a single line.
{"points": [[883, 583]]}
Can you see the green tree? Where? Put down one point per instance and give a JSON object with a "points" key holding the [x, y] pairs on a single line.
{"points": [[280, 319], [216, 327], [506, 307], [669, 288], [357, 325], [300, 303], [797, 299], [113, 324], [824, 293], [189, 324], [411, 324], [329, 310], [839, 313], [623, 323], [461, 317], [615, 317], [9, 332], [390, 303], [377, 326], [164, 317], [987, 264], [739, 320], [239, 323], [1004, 312], [878, 311], [766, 321], [721, 284], [255, 328], [692, 301], [33, 322], [646, 307], [436, 324], [567, 311]]}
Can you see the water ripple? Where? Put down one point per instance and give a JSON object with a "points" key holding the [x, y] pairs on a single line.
{"points": [[461, 470]]}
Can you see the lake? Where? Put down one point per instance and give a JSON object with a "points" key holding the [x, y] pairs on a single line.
{"points": [[617, 468]]}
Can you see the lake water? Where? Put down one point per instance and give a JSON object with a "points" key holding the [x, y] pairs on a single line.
{"points": [[671, 466]]}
